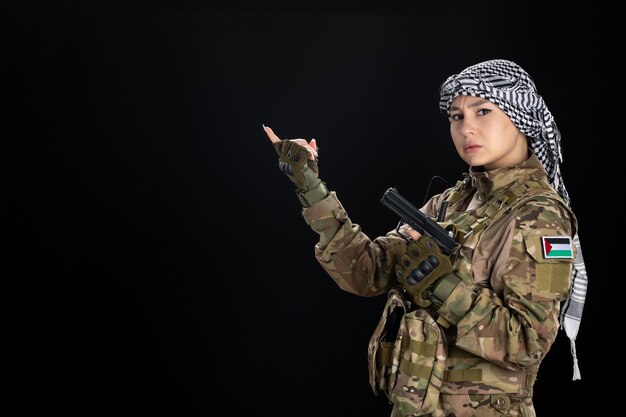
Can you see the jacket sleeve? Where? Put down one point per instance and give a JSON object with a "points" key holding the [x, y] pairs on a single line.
{"points": [[516, 327], [358, 264]]}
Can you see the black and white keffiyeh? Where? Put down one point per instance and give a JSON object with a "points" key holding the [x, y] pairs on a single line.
{"points": [[507, 85]]}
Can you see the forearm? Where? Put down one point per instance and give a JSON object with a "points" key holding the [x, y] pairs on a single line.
{"points": [[513, 334], [356, 263]]}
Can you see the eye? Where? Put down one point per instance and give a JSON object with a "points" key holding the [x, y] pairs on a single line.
{"points": [[483, 112], [456, 116]]}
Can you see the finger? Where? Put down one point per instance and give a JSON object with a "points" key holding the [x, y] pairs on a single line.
{"points": [[412, 232], [414, 235], [270, 133], [313, 145], [301, 142], [313, 153], [305, 144]]}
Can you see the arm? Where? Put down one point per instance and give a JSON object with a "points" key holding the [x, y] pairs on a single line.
{"points": [[516, 327], [357, 264]]}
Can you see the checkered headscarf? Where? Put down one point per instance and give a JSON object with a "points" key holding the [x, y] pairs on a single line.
{"points": [[507, 85]]}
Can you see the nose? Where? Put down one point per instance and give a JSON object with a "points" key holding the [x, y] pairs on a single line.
{"points": [[468, 126]]}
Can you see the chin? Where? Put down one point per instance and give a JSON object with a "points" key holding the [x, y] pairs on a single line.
{"points": [[473, 162]]}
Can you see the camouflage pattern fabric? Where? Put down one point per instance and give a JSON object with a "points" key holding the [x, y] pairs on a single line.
{"points": [[418, 365], [481, 405], [502, 319]]}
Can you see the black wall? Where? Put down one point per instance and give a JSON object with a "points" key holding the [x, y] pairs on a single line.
{"points": [[158, 261]]}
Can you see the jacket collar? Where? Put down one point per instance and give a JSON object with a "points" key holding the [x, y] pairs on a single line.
{"points": [[489, 183]]}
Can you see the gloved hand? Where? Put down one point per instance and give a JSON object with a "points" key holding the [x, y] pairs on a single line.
{"points": [[421, 265], [294, 161], [297, 158]]}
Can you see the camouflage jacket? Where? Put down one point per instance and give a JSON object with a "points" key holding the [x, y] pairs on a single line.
{"points": [[505, 312]]}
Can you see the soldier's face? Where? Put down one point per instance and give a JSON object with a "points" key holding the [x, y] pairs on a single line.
{"points": [[484, 135]]}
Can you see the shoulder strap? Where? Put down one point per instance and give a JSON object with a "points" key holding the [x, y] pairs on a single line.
{"points": [[512, 198]]}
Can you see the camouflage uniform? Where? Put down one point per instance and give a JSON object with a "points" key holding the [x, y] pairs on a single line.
{"points": [[500, 321]]}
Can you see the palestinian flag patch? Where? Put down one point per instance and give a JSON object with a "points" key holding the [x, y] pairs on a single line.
{"points": [[557, 247]]}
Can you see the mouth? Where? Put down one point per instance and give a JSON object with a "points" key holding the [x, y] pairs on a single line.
{"points": [[472, 148]]}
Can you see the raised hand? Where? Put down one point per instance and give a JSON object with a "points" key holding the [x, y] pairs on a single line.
{"points": [[297, 158]]}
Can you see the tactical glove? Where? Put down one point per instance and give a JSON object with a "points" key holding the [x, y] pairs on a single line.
{"points": [[420, 267], [294, 161]]}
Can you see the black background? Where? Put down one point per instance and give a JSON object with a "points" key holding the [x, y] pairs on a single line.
{"points": [[159, 264]]}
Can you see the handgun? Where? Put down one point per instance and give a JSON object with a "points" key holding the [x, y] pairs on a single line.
{"points": [[412, 216]]}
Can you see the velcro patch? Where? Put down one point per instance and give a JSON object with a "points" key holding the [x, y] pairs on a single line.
{"points": [[557, 247]]}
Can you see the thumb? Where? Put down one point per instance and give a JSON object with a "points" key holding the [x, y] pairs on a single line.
{"points": [[316, 150]]}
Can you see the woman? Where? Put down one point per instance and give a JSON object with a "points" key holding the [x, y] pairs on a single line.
{"points": [[464, 331]]}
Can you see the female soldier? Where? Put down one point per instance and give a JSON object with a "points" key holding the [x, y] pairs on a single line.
{"points": [[465, 329]]}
